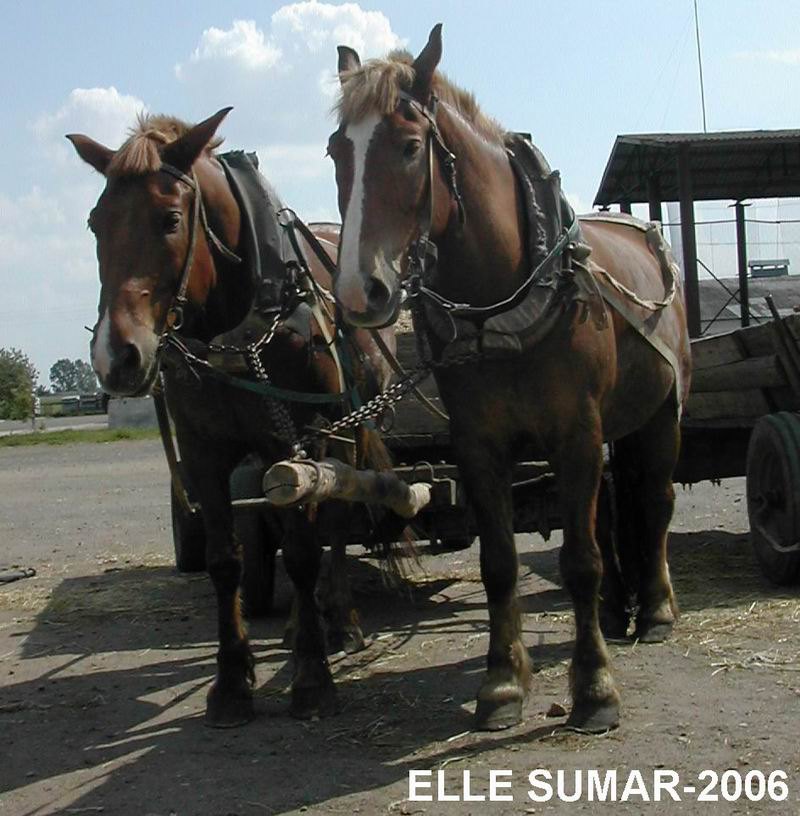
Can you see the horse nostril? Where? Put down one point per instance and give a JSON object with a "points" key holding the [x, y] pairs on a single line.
{"points": [[378, 293], [129, 357]]}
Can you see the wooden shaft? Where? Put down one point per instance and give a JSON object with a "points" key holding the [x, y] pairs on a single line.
{"points": [[287, 483]]}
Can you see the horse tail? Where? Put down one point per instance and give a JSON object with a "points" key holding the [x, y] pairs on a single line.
{"points": [[391, 538]]}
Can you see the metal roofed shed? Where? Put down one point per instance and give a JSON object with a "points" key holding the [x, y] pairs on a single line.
{"points": [[687, 167]]}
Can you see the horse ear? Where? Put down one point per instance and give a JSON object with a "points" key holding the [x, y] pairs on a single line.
{"points": [[183, 152], [348, 60], [425, 64], [92, 152]]}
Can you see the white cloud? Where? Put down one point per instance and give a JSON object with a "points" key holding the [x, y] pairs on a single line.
{"points": [[281, 80], [789, 56], [48, 268], [105, 114], [280, 77], [320, 27], [243, 44]]}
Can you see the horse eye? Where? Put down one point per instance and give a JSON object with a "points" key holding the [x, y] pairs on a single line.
{"points": [[411, 148], [171, 221]]}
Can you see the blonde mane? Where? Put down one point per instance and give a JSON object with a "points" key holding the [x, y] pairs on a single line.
{"points": [[141, 152], [375, 88]]}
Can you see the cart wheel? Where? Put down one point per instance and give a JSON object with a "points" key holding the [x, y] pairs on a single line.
{"points": [[188, 537], [258, 542], [773, 495]]}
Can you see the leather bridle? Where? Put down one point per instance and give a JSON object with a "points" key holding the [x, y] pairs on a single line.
{"points": [[174, 316], [423, 254]]}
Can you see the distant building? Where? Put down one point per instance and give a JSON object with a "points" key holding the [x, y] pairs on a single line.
{"points": [[71, 403]]}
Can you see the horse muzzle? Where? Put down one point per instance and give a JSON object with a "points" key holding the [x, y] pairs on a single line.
{"points": [[126, 367], [129, 376], [371, 301]]}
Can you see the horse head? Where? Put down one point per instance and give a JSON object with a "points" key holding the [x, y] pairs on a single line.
{"points": [[153, 256], [391, 185]]}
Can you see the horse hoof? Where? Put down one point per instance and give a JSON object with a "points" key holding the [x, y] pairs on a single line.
{"points": [[652, 632], [614, 627], [494, 715], [229, 710], [593, 717], [348, 639], [314, 701]]}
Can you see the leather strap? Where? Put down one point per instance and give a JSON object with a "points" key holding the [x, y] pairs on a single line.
{"points": [[168, 443], [623, 307]]}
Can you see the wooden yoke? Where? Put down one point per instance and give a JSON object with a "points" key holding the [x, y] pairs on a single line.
{"points": [[299, 482]]}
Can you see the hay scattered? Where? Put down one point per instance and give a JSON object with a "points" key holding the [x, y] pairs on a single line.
{"points": [[149, 587]]}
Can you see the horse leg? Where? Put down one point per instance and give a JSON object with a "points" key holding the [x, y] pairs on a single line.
{"points": [[614, 601], [343, 625], [659, 446], [313, 692], [230, 699], [487, 480], [578, 464]]}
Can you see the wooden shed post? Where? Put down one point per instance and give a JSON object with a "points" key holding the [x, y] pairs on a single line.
{"points": [[689, 241], [741, 251], [654, 199]]}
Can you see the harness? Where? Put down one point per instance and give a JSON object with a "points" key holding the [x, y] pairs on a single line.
{"points": [[174, 318], [285, 293], [561, 274], [466, 332]]}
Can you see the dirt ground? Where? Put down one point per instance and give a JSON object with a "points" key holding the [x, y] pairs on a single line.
{"points": [[107, 654]]}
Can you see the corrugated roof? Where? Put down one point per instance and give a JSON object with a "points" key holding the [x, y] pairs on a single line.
{"points": [[735, 165]]}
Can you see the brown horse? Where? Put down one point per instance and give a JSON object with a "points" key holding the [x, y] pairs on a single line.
{"points": [[173, 261], [527, 363]]}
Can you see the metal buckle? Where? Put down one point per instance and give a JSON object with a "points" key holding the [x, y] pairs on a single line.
{"points": [[175, 318]]}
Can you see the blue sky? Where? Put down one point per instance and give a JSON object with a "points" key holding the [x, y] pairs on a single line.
{"points": [[573, 74]]}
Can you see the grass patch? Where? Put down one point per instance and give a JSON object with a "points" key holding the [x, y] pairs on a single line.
{"points": [[75, 437]]}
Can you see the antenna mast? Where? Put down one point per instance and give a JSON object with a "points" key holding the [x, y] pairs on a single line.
{"points": [[700, 66]]}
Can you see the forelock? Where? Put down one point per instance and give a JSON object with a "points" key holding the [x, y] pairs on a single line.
{"points": [[375, 87], [141, 152]]}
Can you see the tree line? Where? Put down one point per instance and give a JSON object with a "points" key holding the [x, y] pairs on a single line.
{"points": [[19, 382]]}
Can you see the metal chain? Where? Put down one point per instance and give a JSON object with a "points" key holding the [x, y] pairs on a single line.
{"points": [[252, 348], [374, 408]]}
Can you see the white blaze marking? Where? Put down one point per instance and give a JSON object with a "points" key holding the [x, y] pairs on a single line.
{"points": [[360, 135], [101, 351]]}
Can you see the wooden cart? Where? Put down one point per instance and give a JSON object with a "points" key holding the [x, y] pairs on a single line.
{"points": [[740, 420]]}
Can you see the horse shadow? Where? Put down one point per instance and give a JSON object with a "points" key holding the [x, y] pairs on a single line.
{"points": [[130, 656]]}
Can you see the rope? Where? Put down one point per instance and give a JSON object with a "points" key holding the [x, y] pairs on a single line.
{"points": [[650, 305]]}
